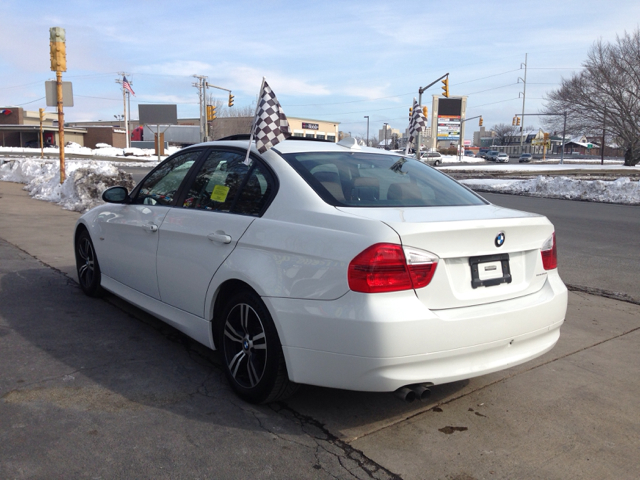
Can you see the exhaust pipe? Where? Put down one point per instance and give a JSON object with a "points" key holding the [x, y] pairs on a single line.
{"points": [[421, 392], [406, 394]]}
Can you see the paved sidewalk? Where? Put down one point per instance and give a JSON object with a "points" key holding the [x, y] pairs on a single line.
{"points": [[42, 229]]}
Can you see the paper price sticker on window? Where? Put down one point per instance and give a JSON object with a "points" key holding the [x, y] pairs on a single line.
{"points": [[220, 193]]}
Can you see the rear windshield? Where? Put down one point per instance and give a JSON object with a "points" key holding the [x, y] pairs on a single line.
{"points": [[378, 180]]}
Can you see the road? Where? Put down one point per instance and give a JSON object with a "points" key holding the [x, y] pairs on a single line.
{"points": [[598, 243]]}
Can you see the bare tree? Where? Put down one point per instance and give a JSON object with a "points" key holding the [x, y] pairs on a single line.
{"points": [[606, 94]]}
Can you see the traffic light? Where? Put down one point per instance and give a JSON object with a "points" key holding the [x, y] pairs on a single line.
{"points": [[513, 122], [410, 112], [211, 112], [480, 122], [230, 100], [58, 49], [445, 87], [41, 115], [425, 112], [517, 121]]}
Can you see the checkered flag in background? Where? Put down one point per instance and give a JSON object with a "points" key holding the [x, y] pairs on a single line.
{"points": [[418, 122], [270, 125]]}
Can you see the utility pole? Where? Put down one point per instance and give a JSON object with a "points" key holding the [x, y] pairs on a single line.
{"points": [[201, 85], [125, 94], [604, 120], [524, 94], [58, 53]]}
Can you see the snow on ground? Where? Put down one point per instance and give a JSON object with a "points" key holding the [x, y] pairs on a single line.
{"points": [[82, 189], [617, 168], [464, 158], [623, 190], [103, 150]]}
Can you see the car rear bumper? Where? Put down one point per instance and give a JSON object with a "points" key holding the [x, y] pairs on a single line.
{"points": [[383, 342]]}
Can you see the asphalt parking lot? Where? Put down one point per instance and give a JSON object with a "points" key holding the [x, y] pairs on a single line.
{"points": [[98, 389]]}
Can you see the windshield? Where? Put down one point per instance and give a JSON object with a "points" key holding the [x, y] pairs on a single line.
{"points": [[377, 180]]}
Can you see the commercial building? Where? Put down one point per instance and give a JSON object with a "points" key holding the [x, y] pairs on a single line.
{"points": [[21, 128]]}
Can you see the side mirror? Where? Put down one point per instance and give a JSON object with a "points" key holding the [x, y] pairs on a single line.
{"points": [[116, 195]]}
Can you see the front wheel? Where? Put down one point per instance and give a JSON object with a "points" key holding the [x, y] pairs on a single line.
{"points": [[250, 350], [87, 265]]}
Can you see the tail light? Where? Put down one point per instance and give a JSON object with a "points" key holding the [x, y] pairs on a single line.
{"points": [[550, 253], [387, 267]]}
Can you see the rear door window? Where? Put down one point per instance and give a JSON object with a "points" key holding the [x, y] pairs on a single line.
{"points": [[225, 183]]}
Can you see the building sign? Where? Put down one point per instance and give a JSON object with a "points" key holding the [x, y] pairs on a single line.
{"points": [[449, 127], [310, 126]]}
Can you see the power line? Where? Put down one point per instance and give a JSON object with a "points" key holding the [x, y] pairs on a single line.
{"points": [[495, 88], [493, 103], [99, 98], [27, 103], [483, 78]]}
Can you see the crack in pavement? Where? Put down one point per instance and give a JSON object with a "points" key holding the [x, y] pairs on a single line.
{"points": [[325, 440]]}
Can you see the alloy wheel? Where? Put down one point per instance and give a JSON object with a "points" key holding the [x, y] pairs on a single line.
{"points": [[245, 345], [86, 264]]}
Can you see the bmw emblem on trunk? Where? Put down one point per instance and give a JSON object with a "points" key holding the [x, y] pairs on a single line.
{"points": [[500, 239]]}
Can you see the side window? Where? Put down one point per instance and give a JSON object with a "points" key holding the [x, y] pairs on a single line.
{"points": [[161, 186], [226, 184]]}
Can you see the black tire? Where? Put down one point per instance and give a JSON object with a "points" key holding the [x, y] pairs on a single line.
{"points": [[250, 350], [87, 265]]}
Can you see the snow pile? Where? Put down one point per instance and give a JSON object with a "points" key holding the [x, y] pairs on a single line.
{"points": [[622, 190], [82, 189]]}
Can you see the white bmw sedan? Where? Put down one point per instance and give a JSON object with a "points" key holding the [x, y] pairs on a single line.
{"points": [[327, 264]]}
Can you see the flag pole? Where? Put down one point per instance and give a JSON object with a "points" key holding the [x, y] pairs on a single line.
{"points": [[253, 124]]}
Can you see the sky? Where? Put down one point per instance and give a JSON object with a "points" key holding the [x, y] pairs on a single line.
{"points": [[334, 60]]}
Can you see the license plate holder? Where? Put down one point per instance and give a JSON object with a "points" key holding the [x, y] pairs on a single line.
{"points": [[485, 270]]}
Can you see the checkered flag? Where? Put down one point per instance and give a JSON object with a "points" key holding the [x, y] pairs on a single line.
{"points": [[418, 122], [270, 124]]}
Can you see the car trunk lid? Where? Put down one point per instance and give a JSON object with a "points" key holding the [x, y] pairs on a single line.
{"points": [[487, 253]]}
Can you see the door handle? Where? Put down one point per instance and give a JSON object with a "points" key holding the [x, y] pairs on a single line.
{"points": [[219, 236], [150, 228]]}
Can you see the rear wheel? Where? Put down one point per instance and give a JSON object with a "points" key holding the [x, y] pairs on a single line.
{"points": [[250, 350], [87, 265]]}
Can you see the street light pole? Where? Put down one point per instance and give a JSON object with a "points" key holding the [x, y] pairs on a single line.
{"points": [[367, 117]]}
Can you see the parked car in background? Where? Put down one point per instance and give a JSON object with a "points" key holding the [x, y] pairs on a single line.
{"points": [[492, 155], [525, 158], [469, 153], [502, 158], [327, 264], [431, 158], [482, 152]]}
